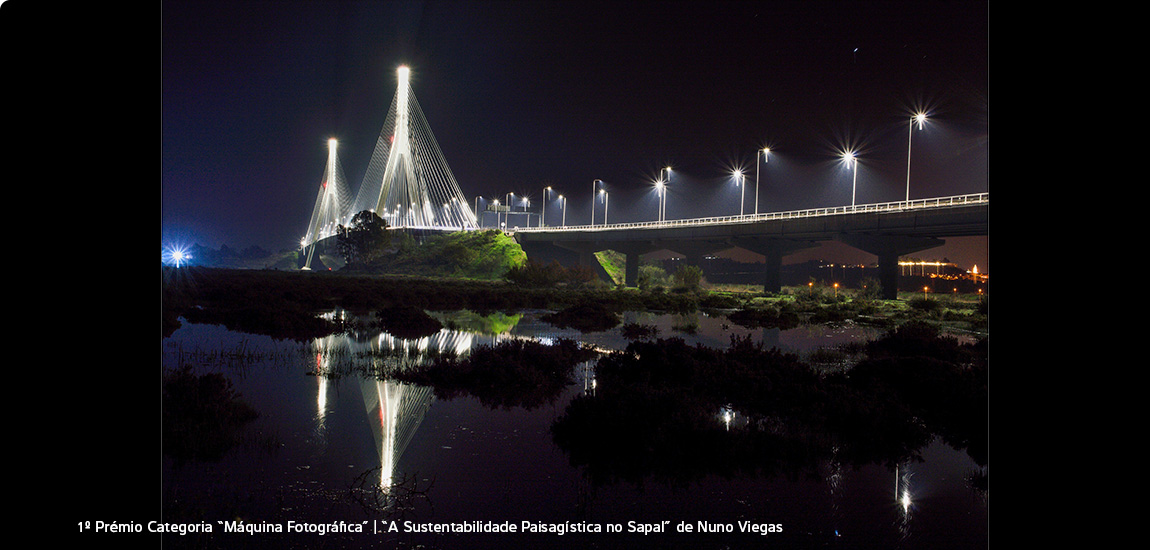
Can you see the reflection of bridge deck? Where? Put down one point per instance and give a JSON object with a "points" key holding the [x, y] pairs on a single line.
{"points": [[886, 230]]}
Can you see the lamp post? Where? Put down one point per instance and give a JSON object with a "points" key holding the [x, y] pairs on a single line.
{"points": [[495, 202], [594, 185], [919, 118], [477, 197], [742, 188], [605, 204], [660, 188], [510, 208], [764, 151], [543, 210], [853, 162], [663, 195]]}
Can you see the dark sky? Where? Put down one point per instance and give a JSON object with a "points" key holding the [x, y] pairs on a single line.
{"points": [[525, 94]]}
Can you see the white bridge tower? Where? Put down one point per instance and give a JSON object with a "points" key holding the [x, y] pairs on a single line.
{"points": [[408, 182], [331, 206]]}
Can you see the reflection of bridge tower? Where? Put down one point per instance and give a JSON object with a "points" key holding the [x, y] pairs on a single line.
{"points": [[408, 182], [395, 411], [330, 206]]}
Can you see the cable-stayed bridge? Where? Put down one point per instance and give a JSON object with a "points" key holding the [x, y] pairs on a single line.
{"points": [[407, 182], [409, 185]]}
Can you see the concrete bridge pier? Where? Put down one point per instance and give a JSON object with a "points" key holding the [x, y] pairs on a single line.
{"points": [[633, 251], [888, 248], [585, 254], [773, 250]]}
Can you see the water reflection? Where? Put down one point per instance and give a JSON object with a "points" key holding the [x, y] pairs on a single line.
{"points": [[902, 475], [202, 415], [395, 411], [835, 480], [586, 375], [645, 413]]}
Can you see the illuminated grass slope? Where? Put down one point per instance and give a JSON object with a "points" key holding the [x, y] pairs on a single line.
{"points": [[466, 254]]}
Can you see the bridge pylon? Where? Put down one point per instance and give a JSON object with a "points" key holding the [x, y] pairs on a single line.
{"points": [[331, 205], [408, 182]]}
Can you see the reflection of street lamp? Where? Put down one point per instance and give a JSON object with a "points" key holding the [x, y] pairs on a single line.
{"points": [[764, 151], [920, 118], [853, 162]]}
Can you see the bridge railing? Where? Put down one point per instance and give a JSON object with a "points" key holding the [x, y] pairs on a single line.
{"points": [[938, 202]]}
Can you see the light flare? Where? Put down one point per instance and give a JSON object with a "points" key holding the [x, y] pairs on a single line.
{"points": [[175, 255]]}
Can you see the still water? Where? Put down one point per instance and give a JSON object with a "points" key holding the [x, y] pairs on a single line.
{"points": [[356, 462]]}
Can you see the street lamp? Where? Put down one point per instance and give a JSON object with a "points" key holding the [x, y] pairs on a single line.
{"points": [[742, 188], [510, 207], [476, 211], [605, 204], [663, 195], [495, 202], [918, 118], [660, 189], [764, 151], [543, 210], [853, 162], [594, 185]]}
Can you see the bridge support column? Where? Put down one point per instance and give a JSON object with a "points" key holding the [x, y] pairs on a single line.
{"points": [[888, 249], [631, 277], [773, 273], [773, 250], [633, 252], [888, 274]]}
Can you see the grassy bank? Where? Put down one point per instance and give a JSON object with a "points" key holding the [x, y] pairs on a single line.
{"points": [[486, 255], [285, 304]]}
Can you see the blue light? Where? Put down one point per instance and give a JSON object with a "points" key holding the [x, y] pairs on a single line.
{"points": [[176, 255]]}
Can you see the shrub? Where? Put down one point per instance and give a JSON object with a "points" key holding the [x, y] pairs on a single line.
{"points": [[925, 305], [688, 277], [535, 274]]}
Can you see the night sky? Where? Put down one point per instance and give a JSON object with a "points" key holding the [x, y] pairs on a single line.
{"points": [[524, 94]]}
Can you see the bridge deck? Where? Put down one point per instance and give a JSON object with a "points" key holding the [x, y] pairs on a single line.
{"points": [[879, 208]]}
